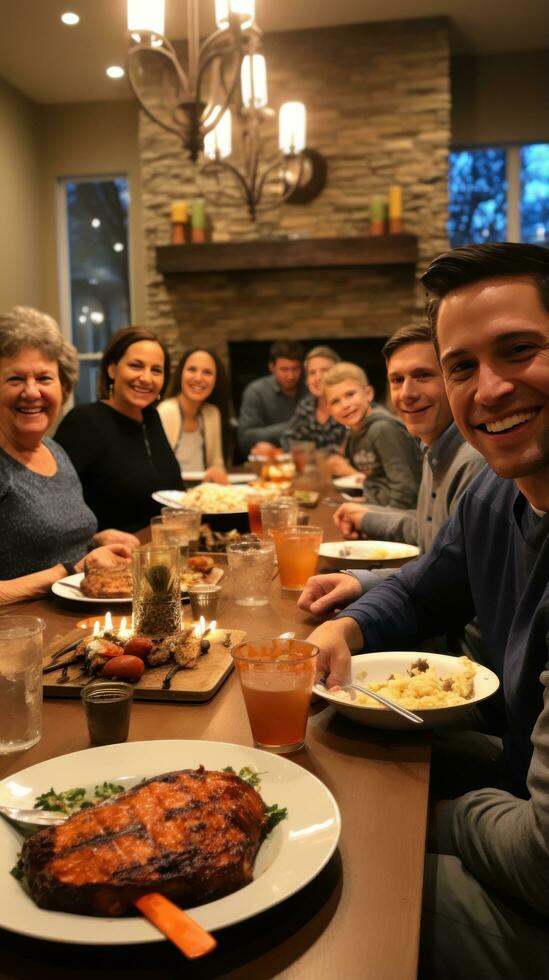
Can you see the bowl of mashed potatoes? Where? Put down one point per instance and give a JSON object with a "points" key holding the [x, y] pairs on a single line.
{"points": [[437, 687]]}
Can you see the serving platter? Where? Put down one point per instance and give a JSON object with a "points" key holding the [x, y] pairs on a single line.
{"points": [[197, 684], [197, 476], [367, 667], [296, 851], [367, 554], [176, 499]]}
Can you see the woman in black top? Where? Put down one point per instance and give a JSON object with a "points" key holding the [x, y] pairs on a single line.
{"points": [[117, 445]]}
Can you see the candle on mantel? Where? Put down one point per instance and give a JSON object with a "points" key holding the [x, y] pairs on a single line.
{"points": [[377, 215], [395, 209], [180, 222]]}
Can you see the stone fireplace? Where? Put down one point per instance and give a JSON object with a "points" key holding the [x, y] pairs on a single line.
{"points": [[378, 102]]}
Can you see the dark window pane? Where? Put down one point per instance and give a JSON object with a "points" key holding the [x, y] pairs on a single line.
{"points": [[477, 191], [534, 193], [98, 259], [86, 386]]}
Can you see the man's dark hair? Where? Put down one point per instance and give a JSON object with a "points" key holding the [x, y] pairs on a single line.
{"points": [[292, 350], [405, 336], [473, 263]]}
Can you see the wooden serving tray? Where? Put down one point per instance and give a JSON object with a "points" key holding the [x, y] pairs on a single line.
{"points": [[198, 684]]}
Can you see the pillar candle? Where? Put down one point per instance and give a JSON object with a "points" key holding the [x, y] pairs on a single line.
{"points": [[395, 209], [377, 215]]}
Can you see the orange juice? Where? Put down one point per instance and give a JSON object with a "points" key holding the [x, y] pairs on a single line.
{"points": [[254, 515], [277, 717], [276, 677], [297, 553]]}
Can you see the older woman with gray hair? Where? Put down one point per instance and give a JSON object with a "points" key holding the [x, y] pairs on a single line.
{"points": [[47, 529], [312, 421]]}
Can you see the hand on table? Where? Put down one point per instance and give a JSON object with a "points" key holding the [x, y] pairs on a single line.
{"points": [[262, 449], [338, 466], [333, 664], [105, 557], [348, 517], [216, 474], [325, 593], [112, 536]]}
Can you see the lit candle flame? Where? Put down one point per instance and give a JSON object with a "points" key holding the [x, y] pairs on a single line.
{"points": [[108, 621], [96, 628], [212, 626]]}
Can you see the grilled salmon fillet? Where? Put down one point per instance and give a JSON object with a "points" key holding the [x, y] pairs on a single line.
{"points": [[191, 835]]}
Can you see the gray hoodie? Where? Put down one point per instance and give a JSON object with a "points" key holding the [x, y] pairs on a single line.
{"points": [[390, 458]]}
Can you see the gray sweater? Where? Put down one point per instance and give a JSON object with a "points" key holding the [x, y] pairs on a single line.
{"points": [[44, 518], [390, 458]]}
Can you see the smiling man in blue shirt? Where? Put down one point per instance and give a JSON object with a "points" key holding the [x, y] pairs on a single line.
{"points": [[486, 896]]}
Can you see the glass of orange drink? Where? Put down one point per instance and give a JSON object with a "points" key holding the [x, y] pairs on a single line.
{"points": [[297, 553], [276, 677]]}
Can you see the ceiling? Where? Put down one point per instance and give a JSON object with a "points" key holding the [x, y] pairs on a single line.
{"points": [[50, 62]]}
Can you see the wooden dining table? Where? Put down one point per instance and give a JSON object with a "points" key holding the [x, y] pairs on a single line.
{"points": [[359, 918]]}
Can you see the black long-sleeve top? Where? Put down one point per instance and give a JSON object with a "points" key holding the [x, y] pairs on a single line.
{"points": [[120, 463]]}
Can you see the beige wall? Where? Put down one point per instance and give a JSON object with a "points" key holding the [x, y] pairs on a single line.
{"points": [[78, 140], [20, 228], [500, 98]]}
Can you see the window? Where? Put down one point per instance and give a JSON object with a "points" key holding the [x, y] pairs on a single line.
{"points": [[498, 194], [97, 290]]}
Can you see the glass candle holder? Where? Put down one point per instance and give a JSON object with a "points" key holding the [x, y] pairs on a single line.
{"points": [[156, 591], [204, 600]]}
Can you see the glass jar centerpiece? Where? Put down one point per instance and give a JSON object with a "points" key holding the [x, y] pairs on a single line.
{"points": [[156, 591]]}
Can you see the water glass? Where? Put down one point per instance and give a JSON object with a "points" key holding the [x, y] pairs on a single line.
{"points": [[297, 553], [186, 523], [276, 678], [20, 682], [302, 454], [281, 512], [252, 566], [204, 601]]}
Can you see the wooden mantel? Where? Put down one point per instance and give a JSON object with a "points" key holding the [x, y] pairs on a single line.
{"points": [[292, 253]]}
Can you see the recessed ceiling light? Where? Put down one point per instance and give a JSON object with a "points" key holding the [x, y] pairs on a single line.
{"points": [[70, 18], [115, 71], [118, 247], [95, 223]]}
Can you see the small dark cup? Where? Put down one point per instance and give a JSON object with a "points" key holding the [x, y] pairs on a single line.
{"points": [[108, 706]]}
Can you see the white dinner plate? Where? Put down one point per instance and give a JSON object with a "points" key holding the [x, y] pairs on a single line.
{"points": [[176, 498], [367, 667], [69, 588], [293, 854], [367, 554], [353, 482], [197, 476]]}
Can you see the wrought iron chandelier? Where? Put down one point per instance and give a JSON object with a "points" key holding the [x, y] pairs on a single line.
{"points": [[224, 71]]}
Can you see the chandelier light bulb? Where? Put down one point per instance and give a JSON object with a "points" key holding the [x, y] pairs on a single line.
{"points": [[218, 142], [146, 15], [253, 81], [70, 18], [292, 128], [243, 9]]}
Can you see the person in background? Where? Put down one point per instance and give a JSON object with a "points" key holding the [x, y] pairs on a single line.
{"points": [[312, 421], [419, 398], [117, 444], [377, 445], [47, 529], [195, 413], [486, 889], [269, 403]]}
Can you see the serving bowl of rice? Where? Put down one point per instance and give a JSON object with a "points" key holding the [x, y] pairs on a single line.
{"points": [[437, 687]]}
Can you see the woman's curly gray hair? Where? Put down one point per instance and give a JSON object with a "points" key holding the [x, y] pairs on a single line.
{"points": [[23, 326]]}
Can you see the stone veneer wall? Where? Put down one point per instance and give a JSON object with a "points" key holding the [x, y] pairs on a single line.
{"points": [[378, 108]]}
